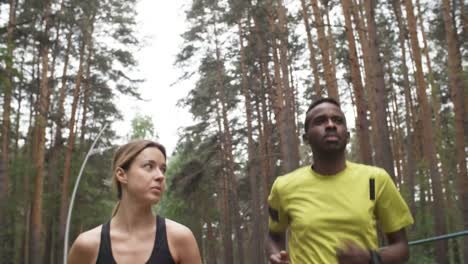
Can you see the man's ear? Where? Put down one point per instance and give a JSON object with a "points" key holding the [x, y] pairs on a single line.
{"points": [[121, 175]]}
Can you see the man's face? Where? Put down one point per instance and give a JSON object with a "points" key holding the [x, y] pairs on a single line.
{"points": [[327, 132]]}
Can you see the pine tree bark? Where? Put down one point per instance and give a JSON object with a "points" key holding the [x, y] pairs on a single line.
{"points": [[313, 64], [251, 167], [210, 236], [64, 201], [40, 125], [383, 150], [266, 88], [330, 76], [280, 97], [410, 146], [229, 152], [5, 233], [396, 130], [28, 152], [227, 223], [87, 86], [428, 136], [18, 110], [57, 148], [464, 21], [369, 82], [330, 40], [292, 139], [458, 92], [362, 124]]}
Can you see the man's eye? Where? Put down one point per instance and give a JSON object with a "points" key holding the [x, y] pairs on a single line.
{"points": [[338, 120], [319, 120]]}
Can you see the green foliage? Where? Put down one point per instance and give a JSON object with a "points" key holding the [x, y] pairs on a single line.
{"points": [[143, 128]]}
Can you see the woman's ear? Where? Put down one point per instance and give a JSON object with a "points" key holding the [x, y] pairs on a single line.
{"points": [[121, 175]]}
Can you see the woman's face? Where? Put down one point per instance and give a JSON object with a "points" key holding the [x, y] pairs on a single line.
{"points": [[145, 179]]}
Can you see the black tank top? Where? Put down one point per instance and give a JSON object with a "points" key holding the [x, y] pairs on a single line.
{"points": [[159, 255]]}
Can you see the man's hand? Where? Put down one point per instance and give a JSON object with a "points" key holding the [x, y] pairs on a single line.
{"points": [[281, 257], [351, 253]]}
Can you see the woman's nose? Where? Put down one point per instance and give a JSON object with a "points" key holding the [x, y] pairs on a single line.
{"points": [[158, 174]]}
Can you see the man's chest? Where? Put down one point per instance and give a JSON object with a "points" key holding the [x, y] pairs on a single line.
{"points": [[347, 205]]}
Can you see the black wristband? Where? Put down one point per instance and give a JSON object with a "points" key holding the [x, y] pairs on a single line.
{"points": [[375, 257]]}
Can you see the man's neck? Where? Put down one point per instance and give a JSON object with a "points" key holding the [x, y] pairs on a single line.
{"points": [[329, 166]]}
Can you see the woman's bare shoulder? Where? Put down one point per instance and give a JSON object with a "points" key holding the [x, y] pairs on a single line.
{"points": [[182, 243], [86, 247], [176, 229]]}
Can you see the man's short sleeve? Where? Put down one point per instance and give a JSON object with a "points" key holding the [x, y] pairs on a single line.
{"points": [[277, 220], [391, 210]]}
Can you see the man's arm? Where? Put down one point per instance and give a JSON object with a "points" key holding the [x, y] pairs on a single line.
{"points": [[275, 247], [398, 250]]}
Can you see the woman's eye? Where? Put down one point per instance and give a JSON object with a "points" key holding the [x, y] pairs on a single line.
{"points": [[148, 166]]}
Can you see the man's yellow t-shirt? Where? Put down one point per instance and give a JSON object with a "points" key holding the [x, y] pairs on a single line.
{"points": [[322, 212]]}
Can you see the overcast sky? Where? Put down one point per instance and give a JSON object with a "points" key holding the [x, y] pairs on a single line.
{"points": [[160, 24]]}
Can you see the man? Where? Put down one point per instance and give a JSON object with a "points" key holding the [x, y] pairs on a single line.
{"points": [[331, 207]]}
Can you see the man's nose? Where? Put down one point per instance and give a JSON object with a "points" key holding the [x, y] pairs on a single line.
{"points": [[330, 123]]}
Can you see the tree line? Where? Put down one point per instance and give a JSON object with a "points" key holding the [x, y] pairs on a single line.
{"points": [[58, 80], [397, 67]]}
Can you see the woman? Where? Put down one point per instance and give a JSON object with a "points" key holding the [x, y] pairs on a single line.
{"points": [[134, 235]]}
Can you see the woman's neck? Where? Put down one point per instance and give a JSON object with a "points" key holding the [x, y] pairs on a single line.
{"points": [[133, 216]]}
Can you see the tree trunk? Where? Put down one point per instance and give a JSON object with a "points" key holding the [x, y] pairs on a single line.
{"points": [[55, 49], [227, 223], [70, 144], [280, 96], [362, 124], [383, 150], [396, 130], [292, 140], [18, 112], [87, 86], [428, 136], [28, 152], [267, 147], [228, 153], [330, 40], [6, 235], [313, 64], [41, 123], [369, 82], [56, 150], [210, 237], [251, 166], [330, 77], [457, 90], [464, 21], [410, 171]]}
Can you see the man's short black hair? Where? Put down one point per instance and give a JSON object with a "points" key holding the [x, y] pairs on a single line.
{"points": [[317, 102]]}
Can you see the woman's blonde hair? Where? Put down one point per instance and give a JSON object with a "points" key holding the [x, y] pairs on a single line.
{"points": [[124, 157]]}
